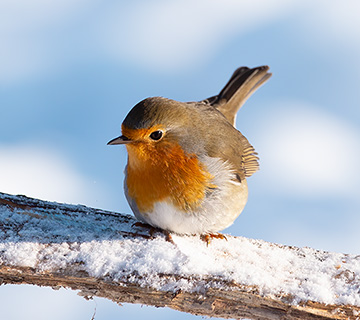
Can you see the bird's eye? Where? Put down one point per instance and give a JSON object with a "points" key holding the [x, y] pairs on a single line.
{"points": [[156, 135]]}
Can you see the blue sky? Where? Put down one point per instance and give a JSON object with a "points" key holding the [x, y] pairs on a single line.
{"points": [[70, 71]]}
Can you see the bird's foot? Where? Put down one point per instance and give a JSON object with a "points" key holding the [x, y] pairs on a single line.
{"points": [[207, 237], [153, 230]]}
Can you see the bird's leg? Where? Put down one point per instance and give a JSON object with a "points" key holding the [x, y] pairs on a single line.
{"points": [[207, 237], [152, 230], [141, 225]]}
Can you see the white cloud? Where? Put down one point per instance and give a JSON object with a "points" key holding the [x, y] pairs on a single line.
{"points": [[22, 16], [43, 303], [308, 152], [170, 35], [21, 59], [334, 21], [43, 173], [34, 35], [38, 37]]}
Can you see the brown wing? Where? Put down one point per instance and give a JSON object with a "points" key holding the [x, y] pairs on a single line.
{"points": [[226, 142], [250, 159], [241, 85]]}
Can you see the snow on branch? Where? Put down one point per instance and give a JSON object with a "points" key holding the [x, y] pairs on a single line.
{"points": [[103, 254]]}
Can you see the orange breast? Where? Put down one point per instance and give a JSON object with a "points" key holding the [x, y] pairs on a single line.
{"points": [[162, 171]]}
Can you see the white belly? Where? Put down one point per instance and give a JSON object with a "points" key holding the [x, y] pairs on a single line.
{"points": [[217, 211], [211, 217]]}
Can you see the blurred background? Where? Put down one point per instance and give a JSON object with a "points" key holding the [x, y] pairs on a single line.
{"points": [[70, 70]]}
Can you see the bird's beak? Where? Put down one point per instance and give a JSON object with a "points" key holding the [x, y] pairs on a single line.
{"points": [[119, 140]]}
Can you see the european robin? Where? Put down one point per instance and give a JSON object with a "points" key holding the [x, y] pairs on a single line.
{"points": [[187, 163]]}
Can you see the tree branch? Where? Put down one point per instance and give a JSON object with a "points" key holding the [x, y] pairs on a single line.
{"points": [[102, 254]]}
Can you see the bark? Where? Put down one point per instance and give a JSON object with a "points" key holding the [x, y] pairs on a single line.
{"points": [[225, 300]]}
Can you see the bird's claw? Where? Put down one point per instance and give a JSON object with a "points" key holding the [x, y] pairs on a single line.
{"points": [[152, 231], [207, 237]]}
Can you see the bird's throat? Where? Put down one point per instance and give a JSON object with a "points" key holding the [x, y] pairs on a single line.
{"points": [[156, 174]]}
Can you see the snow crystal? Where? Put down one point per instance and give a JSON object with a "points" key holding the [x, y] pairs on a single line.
{"points": [[55, 236]]}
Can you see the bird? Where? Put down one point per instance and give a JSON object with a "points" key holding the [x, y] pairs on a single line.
{"points": [[187, 163]]}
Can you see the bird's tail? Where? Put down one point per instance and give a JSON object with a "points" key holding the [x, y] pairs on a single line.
{"points": [[239, 88]]}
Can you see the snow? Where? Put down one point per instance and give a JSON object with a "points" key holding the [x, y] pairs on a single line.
{"points": [[54, 236]]}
